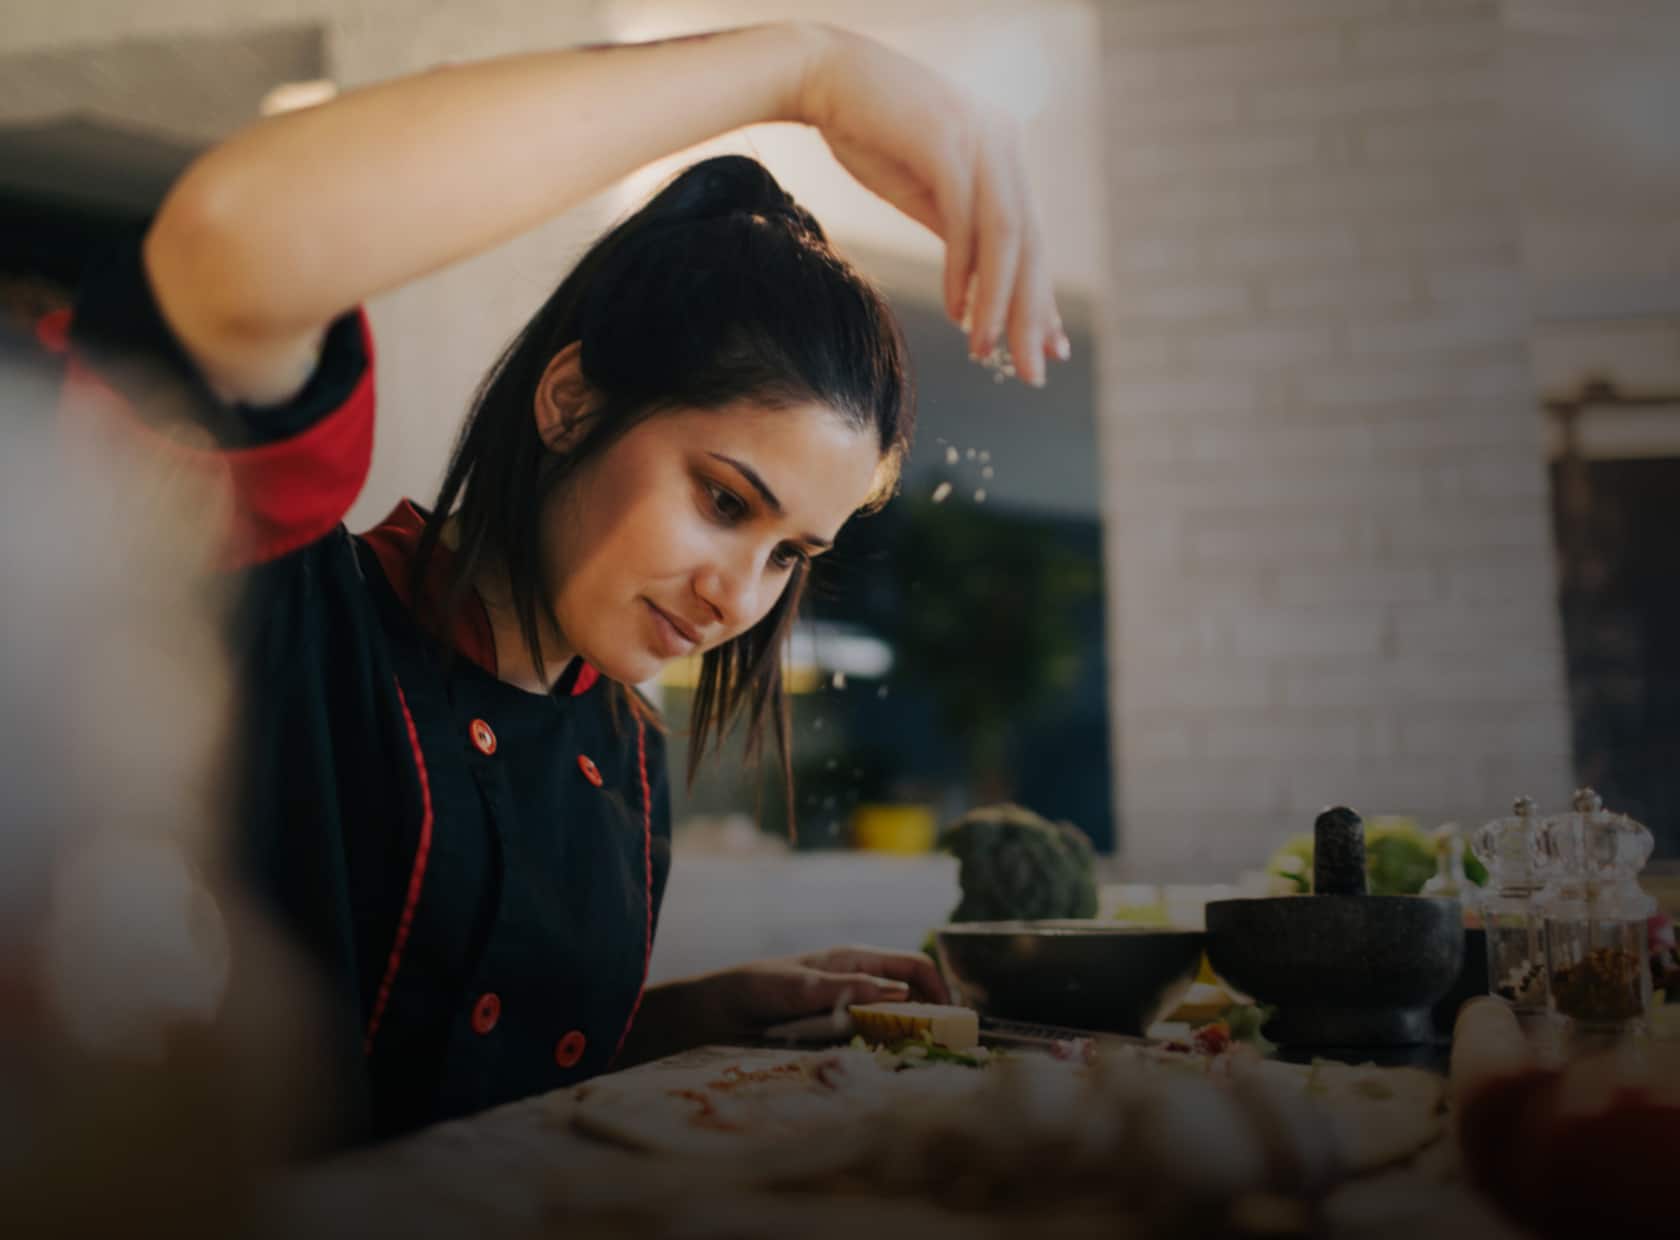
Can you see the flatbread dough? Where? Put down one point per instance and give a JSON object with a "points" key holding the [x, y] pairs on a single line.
{"points": [[776, 1116]]}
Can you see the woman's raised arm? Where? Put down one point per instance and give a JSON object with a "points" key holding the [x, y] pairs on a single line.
{"points": [[274, 233]]}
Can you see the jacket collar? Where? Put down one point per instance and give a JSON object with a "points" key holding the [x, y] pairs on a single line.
{"points": [[394, 542]]}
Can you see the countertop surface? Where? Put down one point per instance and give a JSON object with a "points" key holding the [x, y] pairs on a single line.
{"points": [[524, 1170]]}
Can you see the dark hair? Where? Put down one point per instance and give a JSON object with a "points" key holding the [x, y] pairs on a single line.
{"points": [[720, 289]]}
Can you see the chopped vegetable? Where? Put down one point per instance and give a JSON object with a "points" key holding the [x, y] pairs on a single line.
{"points": [[1247, 1021], [1213, 1037], [938, 1054], [919, 1052]]}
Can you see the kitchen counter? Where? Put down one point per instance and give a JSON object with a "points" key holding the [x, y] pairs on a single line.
{"points": [[523, 1170]]}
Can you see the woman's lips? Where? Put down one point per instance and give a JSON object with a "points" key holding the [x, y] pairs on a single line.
{"points": [[672, 638]]}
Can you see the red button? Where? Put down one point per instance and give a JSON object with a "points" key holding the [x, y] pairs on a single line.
{"points": [[591, 772], [570, 1049], [483, 739], [486, 1012]]}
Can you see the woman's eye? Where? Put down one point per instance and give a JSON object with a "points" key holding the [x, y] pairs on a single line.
{"points": [[726, 503], [731, 509]]}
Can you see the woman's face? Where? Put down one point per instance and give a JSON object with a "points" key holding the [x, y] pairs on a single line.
{"points": [[685, 532]]}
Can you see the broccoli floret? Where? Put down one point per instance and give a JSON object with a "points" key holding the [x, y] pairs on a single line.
{"points": [[1015, 865]]}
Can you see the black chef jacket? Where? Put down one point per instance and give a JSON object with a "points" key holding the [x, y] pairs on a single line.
{"points": [[477, 869]]}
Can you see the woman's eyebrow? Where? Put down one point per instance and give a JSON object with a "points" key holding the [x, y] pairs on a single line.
{"points": [[767, 495]]}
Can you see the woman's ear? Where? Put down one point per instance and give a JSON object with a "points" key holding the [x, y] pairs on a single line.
{"points": [[563, 399]]}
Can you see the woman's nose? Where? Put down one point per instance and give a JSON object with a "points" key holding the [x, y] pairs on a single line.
{"points": [[729, 590]]}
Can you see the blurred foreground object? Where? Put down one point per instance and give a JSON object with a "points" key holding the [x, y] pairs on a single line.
{"points": [[154, 1039], [1580, 1150]]}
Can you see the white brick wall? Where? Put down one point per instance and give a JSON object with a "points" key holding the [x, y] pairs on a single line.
{"points": [[1330, 563]]}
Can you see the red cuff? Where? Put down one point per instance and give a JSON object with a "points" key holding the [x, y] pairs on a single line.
{"points": [[281, 496]]}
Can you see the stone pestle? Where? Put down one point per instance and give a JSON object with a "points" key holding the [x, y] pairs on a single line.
{"points": [[1339, 853]]}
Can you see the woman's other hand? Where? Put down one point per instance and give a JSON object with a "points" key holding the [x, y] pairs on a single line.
{"points": [[753, 997], [953, 165]]}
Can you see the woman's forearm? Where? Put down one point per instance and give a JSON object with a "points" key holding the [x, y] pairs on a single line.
{"points": [[297, 218]]}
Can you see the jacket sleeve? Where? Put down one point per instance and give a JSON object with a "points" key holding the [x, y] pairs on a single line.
{"points": [[283, 475]]}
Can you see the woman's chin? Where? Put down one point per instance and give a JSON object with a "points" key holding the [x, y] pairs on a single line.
{"points": [[628, 667]]}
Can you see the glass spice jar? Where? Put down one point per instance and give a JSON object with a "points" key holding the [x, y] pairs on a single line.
{"points": [[1598, 972], [1516, 950]]}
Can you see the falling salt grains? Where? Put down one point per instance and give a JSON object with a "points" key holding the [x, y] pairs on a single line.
{"points": [[984, 456], [980, 496], [817, 726], [952, 456], [834, 764], [972, 454], [828, 803], [839, 681], [942, 492], [881, 692]]}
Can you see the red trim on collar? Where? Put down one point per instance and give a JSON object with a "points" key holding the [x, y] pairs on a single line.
{"points": [[394, 542]]}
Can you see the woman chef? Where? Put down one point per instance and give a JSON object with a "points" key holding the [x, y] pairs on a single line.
{"points": [[449, 794]]}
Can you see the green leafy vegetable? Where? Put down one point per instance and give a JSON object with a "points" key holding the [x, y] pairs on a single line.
{"points": [[934, 1053], [1400, 857], [1293, 863], [1399, 863], [1018, 865], [1246, 1020], [913, 1052]]}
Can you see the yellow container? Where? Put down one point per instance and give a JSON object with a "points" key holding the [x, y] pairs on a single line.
{"points": [[894, 828]]}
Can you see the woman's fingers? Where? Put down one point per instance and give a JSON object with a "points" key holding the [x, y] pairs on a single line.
{"points": [[998, 256], [915, 969], [1013, 301], [835, 990], [1035, 323], [1026, 317], [955, 193], [1056, 342], [911, 968], [956, 167]]}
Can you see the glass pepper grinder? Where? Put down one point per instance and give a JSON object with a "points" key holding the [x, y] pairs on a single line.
{"points": [[1598, 972], [1516, 951]]}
